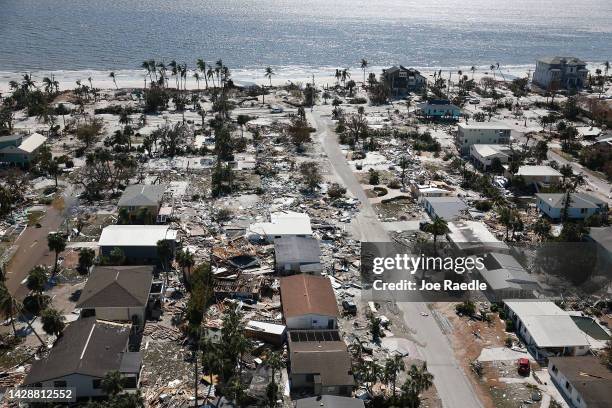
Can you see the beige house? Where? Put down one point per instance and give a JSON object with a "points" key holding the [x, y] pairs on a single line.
{"points": [[142, 198], [117, 293]]}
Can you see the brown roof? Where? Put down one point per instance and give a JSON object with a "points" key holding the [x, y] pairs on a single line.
{"points": [[88, 347], [117, 286], [589, 377], [307, 294], [329, 360]]}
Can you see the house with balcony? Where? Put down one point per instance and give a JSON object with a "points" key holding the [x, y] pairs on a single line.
{"points": [[560, 73], [402, 81]]}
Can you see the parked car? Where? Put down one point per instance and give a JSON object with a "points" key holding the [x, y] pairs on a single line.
{"points": [[349, 307]]}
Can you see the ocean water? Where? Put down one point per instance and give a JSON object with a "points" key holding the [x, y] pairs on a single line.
{"points": [[46, 35]]}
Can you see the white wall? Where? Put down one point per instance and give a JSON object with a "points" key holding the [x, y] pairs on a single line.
{"points": [[570, 394], [310, 321]]}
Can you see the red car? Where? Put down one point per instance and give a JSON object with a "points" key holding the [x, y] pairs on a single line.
{"points": [[524, 366]]}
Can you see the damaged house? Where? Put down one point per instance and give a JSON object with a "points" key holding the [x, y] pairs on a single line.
{"points": [[297, 255], [281, 225]]}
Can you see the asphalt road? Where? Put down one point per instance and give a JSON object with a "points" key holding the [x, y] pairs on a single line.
{"points": [[452, 384], [32, 250]]}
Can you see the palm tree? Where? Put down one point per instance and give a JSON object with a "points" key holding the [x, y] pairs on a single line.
{"points": [[112, 383], [185, 260], [436, 228], [164, 252], [268, 74], [112, 75], [7, 305], [419, 380], [210, 74], [48, 83], [473, 69], [404, 163], [56, 243], [147, 67], [392, 367], [86, 259], [492, 67], [606, 69], [344, 75], [197, 78], [53, 322], [364, 65], [201, 64]]}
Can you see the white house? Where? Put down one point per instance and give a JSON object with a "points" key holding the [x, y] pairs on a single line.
{"points": [[83, 355], [483, 155], [506, 278], [539, 176], [584, 381], [546, 329], [439, 109], [138, 242], [117, 293], [308, 302], [297, 255], [20, 150], [581, 205], [447, 208], [282, 224], [481, 133]]}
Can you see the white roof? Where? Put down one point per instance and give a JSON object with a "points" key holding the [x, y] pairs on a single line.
{"points": [[284, 223], [272, 328], [135, 235], [472, 234], [537, 171], [548, 324], [486, 150], [32, 143], [470, 231], [484, 125]]}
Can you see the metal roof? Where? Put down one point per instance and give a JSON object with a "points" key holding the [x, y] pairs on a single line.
{"points": [[548, 324], [135, 235]]}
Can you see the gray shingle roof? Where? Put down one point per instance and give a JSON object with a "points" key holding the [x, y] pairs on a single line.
{"points": [[88, 347], [117, 286], [138, 195], [562, 60], [297, 249], [578, 200]]}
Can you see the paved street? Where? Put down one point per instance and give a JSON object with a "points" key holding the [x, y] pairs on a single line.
{"points": [[452, 384]]}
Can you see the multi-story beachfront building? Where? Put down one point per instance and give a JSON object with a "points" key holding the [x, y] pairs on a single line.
{"points": [[560, 73]]}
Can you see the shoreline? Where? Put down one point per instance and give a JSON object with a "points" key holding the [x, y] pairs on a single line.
{"points": [[134, 78]]}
